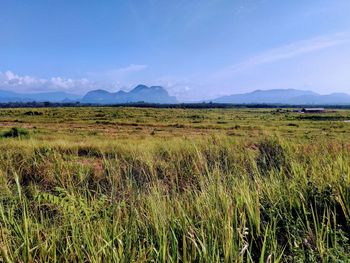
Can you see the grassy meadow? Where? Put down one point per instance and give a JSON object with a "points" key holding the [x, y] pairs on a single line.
{"points": [[111, 184]]}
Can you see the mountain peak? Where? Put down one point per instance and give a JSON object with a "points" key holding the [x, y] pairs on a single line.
{"points": [[102, 91], [141, 93], [140, 87]]}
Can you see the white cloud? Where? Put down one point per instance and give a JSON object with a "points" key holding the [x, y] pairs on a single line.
{"points": [[10, 78], [13, 82], [110, 80], [284, 52], [68, 83]]}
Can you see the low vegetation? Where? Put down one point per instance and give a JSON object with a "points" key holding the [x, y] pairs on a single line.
{"points": [[242, 185]]}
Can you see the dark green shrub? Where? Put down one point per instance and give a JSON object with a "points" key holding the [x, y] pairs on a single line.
{"points": [[15, 132], [33, 113]]}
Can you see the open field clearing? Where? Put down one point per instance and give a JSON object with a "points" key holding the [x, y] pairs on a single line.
{"points": [[174, 185]]}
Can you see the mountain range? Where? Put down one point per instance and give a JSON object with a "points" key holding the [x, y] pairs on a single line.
{"points": [[286, 96], [157, 94], [140, 93]]}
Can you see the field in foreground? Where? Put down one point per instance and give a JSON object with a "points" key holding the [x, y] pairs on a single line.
{"points": [[174, 185]]}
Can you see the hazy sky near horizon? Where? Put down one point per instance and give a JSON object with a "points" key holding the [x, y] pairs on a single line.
{"points": [[196, 49]]}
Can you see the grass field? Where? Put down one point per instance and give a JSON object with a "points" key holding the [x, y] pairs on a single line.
{"points": [[174, 185]]}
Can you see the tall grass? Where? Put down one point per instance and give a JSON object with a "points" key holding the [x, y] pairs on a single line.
{"points": [[208, 200]]}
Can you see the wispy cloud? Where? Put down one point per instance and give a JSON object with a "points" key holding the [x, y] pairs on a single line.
{"points": [[121, 72], [118, 74], [285, 52]]}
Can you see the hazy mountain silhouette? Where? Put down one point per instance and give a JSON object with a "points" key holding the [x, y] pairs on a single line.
{"points": [[141, 93], [285, 96], [9, 96]]}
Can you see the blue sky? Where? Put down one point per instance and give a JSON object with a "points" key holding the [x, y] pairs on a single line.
{"points": [[195, 49]]}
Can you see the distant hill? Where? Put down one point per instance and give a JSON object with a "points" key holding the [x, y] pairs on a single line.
{"points": [[141, 93], [286, 96], [8, 96]]}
